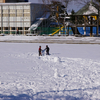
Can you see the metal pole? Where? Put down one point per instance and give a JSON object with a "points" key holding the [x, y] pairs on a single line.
{"points": [[75, 24], [99, 17], [9, 19], [97, 25], [23, 19], [64, 23], [15, 19], [1, 20]]}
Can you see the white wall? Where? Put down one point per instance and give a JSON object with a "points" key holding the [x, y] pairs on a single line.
{"points": [[35, 1]]}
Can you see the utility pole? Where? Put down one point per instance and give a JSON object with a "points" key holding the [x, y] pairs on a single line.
{"points": [[99, 16], [99, 10], [98, 19]]}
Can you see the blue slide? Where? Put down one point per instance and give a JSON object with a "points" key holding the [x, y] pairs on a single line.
{"points": [[81, 30]]}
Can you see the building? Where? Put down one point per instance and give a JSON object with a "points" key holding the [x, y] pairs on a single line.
{"points": [[2, 1], [9, 1], [18, 16]]}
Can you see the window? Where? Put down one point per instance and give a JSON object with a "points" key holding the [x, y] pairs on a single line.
{"points": [[13, 28], [19, 28], [26, 28]]}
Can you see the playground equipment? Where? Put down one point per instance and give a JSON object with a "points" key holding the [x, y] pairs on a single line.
{"points": [[39, 21], [57, 30]]}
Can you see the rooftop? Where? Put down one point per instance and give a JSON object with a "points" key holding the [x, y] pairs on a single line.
{"points": [[18, 3], [90, 9]]}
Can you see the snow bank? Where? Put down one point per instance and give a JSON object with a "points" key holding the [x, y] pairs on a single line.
{"points": [[48, 39]]}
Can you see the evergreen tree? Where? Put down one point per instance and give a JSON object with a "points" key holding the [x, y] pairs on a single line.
{"points": [[72, 17]]}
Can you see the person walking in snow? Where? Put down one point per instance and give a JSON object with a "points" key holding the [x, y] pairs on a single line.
{"points": [[40, 54], [17, 31], [47, 50]]}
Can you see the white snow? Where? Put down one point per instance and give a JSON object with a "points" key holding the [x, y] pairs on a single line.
{"points": [[8, 38], [70, 72]]}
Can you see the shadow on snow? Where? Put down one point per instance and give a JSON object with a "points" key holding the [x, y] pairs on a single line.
{"points": [[50, 95], [41, 97]]}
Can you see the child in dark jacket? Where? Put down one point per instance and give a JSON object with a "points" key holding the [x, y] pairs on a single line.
{"points": [[40, 54]]}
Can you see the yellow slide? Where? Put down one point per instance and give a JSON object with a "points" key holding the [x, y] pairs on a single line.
{"points": [[57, 30]]}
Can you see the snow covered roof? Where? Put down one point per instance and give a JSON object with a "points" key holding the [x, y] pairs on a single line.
{"points": [[89, 9], [45, 16], [18, 3]]}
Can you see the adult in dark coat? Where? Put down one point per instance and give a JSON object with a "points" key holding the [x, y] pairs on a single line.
{"points": [[47, 50]]}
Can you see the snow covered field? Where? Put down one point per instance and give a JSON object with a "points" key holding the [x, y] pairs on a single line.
{"points": [[71, 72]]}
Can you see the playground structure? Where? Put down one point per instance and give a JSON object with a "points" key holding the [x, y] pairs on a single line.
{"points": [[57, 30], [43, 26], [45, 29], [86, 22]]}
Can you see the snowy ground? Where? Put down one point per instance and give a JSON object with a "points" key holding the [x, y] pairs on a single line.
{"points": [[50, 39], [71, 72]]}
